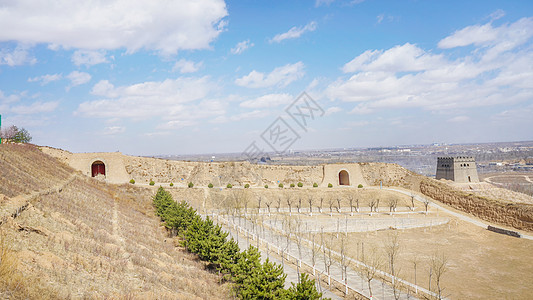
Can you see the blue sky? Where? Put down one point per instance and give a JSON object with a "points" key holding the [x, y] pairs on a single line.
{"points": [[148, 78]]}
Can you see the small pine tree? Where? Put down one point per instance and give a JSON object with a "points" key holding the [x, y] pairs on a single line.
{"points": [[266, 186], [190, 185], [210, 185], [292, 184], [300, 184], [360, 186], [246, 186], [171, 184], [306, 289], [152, 182], [330, 185], [229, 186], [132, 181], [315, 184], [280, 185]]}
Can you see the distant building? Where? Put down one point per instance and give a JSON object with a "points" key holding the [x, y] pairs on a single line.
{"points": [[459, 169]]}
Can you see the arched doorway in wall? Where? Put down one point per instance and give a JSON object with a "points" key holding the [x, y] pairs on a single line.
{"points": [[344, 178], [97, 168]]}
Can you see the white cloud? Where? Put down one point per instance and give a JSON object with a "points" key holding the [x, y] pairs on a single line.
{"points": [[407, 57], [294, 32], [496, 72], [505, 37], [270, 100], [78, 78], [459, 119], [171, 99], [280, 76], [497, 14], [46, 79], [241, 47], [16, 57], [112, 130], [166, 26], [35, 108], [187, 66], [88, 57], [332, 110], [323, 2]]}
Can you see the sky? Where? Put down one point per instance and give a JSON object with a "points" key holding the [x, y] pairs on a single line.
{"points": [[148, 77]]}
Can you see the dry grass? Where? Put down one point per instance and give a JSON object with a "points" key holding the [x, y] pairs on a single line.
{"points": [[94, 240]]}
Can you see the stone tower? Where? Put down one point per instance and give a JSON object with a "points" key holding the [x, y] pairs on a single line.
{"points": [[459, 169]]}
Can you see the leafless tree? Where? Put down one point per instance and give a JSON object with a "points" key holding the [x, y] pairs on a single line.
{"points": [[426, 204], [339, 199], [371, 204], [310, 201], [289, 204], [344, 261], [326, 248], [299, 205], [415, 262], [331, 202], [321, 204], [314, 251], [372, 262], [412, 202], [268, 203], [392, 249], [393, 202], [439, 266], [259, 205], [279, 203], [377, 205]]}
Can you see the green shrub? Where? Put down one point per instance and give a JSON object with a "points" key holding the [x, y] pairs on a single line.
{"points": [[152, 182], [315, 184], [300, 184], [246, 186], [266, 186], [190, 185], [171, 184], [360, 186], [330, 185], [229, 186], [132, 181], [292, 184], [210, 185], [280, 185]]}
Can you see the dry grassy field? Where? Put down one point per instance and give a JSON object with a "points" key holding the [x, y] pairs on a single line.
{"points": [[90, 240]]}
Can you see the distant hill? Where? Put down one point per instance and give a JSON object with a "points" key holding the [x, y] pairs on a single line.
{"points": [[76, 237]]}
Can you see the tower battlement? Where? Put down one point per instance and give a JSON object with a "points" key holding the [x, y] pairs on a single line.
{"points": [[459, 169]]}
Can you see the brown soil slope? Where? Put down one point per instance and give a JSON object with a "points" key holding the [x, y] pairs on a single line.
{"points": [[88, 239]]}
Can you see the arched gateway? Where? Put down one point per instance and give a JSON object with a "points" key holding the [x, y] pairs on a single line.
{"points": [[344, 178], [97, 168]]}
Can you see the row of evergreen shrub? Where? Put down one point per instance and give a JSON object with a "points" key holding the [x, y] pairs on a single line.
{"points": [[251, 278]]}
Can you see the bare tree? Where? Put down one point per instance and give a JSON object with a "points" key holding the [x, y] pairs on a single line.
{"points": [[279, 203], [321, 203], [372, 261], [393, 202], [310, 201], [426, 204], [415, 262], [344, 261], [299, 205], [259, 205], [268, 203], [371, 204], [350, 199], [326, 248], [412, 202], [439, 266], [377, 205], [314, 251], [339, 199], [392, 249], [289, 204], [331, 202]]}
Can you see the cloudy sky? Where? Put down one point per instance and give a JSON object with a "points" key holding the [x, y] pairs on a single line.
{"points": [[151, 77]]}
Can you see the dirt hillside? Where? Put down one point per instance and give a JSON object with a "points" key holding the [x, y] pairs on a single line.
{"points": [[66, 236]]}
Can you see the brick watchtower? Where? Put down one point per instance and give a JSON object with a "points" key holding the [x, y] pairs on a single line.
{"points": [[459, 169]]}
